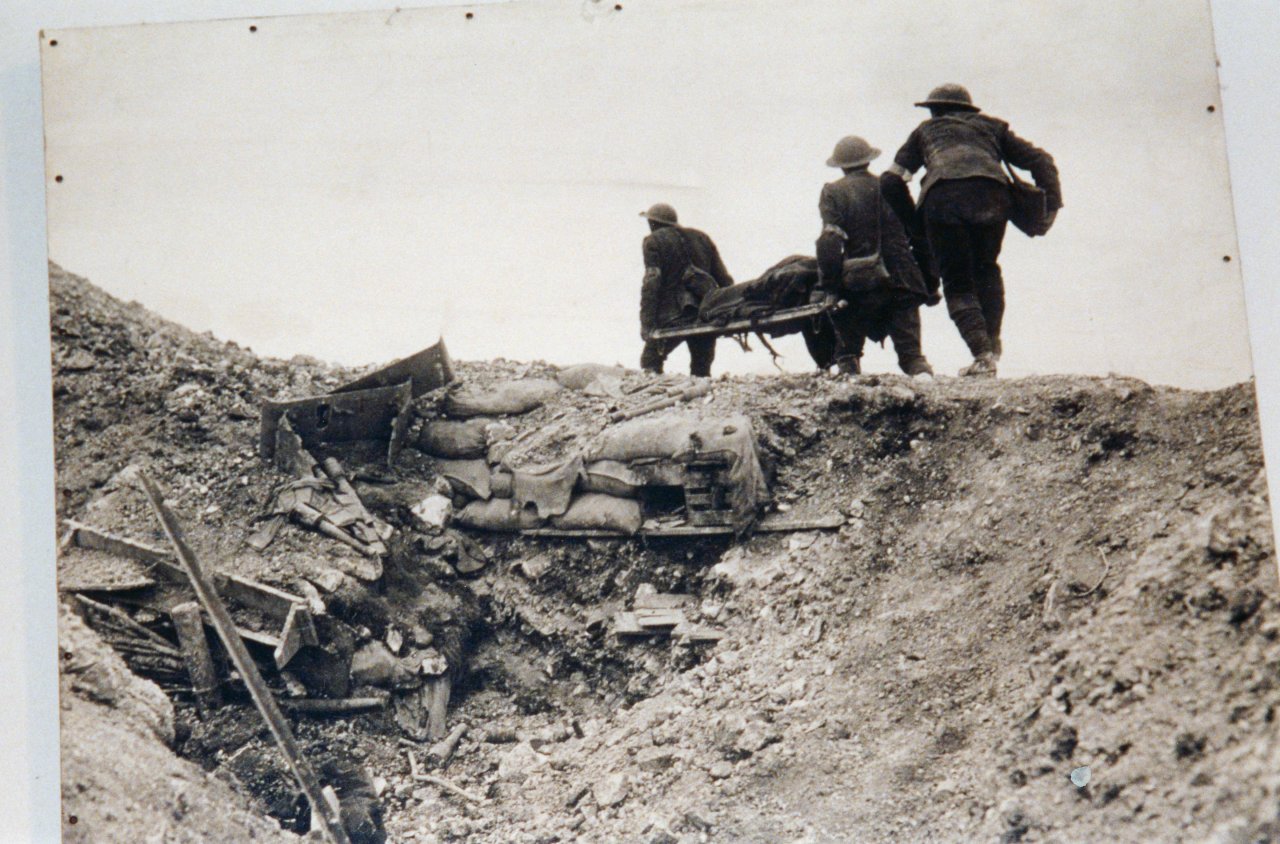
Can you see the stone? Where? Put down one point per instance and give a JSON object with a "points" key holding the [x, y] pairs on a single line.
{"points": [[372, 665], [654, 759], [611, 790], [720, 770], [433, 512]]}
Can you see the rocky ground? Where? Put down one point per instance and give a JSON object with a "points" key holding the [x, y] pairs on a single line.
{"points": [[1033, 576]]}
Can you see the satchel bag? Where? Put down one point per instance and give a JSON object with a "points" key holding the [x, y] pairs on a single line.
{"points": [[866, 274], [1030, 211]]}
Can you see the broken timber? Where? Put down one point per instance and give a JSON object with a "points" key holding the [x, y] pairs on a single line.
{"points": [[289, 610], [426, 370], [374, 414], [323, 808], [195, 653], [338, 706], [677, 531], [787, 318]]}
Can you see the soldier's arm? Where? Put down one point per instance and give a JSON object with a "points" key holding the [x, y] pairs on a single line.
{"points": [[907, 161], [898, 197], [830, 245], [650, 287], [1026, 155], [718, 270]]}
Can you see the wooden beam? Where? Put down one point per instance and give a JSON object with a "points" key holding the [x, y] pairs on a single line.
{"points": [[189, 624]]}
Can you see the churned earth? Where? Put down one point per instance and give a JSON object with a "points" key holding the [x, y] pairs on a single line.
{"points": [[1033, 577]]}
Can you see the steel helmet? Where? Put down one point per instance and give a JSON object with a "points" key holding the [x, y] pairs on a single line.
{"points": [[661, 213], [852, 151], [955, 96]]}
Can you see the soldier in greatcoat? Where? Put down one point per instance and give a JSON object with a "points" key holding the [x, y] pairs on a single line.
{"points": [[859, 224], [681, 265], [964, 206]]}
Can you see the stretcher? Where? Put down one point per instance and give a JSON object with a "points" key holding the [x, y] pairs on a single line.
{"points": [[784, 321]]}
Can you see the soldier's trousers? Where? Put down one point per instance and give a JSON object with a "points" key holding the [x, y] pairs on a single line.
{"points": [[966, 256], [902, 324], [702, 352]]}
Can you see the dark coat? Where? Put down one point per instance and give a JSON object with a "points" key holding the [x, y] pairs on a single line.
{"points": [[670, 251], [966, 145], [854, 205]]}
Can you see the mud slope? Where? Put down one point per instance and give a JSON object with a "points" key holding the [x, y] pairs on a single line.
{"points": [[1034, 576]]}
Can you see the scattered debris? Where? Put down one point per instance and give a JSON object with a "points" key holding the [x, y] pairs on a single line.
{"points": [[425, 371], [696, 391], [290, 611], [339, 706], [442, 751], [324, 809], [382, 413], [189, 626]]}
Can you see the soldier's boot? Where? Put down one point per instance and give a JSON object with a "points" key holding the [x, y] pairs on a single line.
{"points": [[997, 348], [849, 365], [917, 366], [983, 366]]}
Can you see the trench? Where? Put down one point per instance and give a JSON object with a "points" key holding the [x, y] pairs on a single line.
{"points": [[529, 640]]}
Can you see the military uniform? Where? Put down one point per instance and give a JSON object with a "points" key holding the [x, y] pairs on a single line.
{"points": [[964, 205], [669, 296], [853, 211]]}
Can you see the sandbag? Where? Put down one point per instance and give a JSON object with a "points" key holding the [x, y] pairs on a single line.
{"points": [[548, 487], [468, 478], [594, 511], [453, 440], [500, 483], [504, 399], [580, 376], [610, 477], [677, 437], [497, 514]]}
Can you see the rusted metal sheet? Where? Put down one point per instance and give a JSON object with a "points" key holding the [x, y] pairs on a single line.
{"points": [[427, 370], [339, 417]]}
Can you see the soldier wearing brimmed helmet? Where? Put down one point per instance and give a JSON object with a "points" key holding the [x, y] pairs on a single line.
{"points": [[964, 206], [681, 265], [857, 223]]}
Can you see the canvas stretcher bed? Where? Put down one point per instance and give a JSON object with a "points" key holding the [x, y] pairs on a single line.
{"points": [[782, 321]]}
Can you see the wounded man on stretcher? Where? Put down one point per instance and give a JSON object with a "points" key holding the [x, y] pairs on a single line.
{"points": [[834, 313]]}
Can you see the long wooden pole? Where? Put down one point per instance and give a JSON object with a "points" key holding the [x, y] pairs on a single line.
{"points": [[209, 598]]}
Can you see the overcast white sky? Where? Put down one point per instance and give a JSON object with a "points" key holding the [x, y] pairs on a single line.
{"points": [[350, 186]]}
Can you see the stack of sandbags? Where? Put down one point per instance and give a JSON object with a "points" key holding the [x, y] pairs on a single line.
{"points": [[677, 437]]}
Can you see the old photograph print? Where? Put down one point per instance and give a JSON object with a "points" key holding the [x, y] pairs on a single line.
{"points": [[658, 421]]}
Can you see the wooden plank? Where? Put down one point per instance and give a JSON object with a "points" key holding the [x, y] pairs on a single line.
{"points": [[322, 810], [786, 318], [189, 625], [769, 525], [299, 630], [625, 624], [661, 601], [336, 706], [87, 536], [658, 619], [437, 690], [696, 633], [274, 602]]}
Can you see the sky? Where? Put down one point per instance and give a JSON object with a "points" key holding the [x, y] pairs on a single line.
{"points": [[352, 186]]}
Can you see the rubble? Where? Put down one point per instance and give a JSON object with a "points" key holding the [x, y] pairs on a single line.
{"points": [[886, 676]]}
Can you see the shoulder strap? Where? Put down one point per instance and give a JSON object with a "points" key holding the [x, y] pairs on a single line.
{"points": [[1012, 175]]}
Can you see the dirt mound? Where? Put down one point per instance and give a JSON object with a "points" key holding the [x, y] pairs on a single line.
{"points": [[1033, 577]]}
